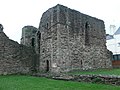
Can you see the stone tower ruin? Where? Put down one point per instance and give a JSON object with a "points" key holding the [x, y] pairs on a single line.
{"points": [[28, 36], [69, 40]]}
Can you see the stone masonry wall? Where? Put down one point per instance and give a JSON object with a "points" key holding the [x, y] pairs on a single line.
{"points": [[15, 58], [72, 40], [29, 36], [49, 41]]}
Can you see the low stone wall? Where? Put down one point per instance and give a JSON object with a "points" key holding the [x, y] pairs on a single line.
{"points": [[104, 79]]}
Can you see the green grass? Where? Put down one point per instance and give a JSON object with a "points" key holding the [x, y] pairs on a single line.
{"points": [[99, 71], [16, 82]]}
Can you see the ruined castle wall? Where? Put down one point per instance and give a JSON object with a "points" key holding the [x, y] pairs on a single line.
{"points": [[82, 41], [15, 58], [74, 40], [49, 41], [45, 42], [71, 39]]}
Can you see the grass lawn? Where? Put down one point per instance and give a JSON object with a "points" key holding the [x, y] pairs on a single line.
{"points": [[99, 71], [16, 82]]}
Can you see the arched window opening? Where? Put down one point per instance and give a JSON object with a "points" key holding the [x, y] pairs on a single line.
{"points": [[47, 25], [87, 25]]}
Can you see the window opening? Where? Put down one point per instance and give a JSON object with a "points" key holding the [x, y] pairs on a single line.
{"points": [[33, 42], [87, 33]]}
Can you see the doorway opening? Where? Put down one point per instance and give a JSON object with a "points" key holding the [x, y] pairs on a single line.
{"points": [[47, 68]]}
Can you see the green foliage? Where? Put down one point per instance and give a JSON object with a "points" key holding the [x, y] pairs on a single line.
{"points": [[17, 82]]}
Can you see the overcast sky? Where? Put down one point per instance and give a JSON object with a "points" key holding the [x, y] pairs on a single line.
{"points": [[15, 14]]}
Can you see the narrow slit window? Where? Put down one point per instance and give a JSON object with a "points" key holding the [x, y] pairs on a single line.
{"points": [[33, 42], [87, 27], [47, 25]]}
